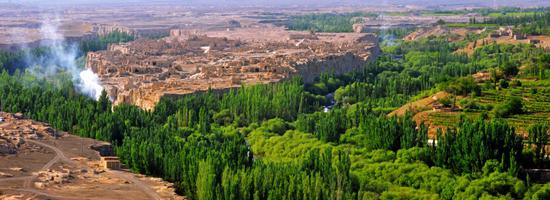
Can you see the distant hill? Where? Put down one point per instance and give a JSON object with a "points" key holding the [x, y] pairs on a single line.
{"points": [[317, 3]]}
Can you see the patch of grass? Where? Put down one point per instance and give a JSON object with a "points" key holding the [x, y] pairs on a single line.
{"points": [[511, 14], [451, 119]]}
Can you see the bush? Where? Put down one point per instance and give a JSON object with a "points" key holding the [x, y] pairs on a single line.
{"points": [[488, 86], [503, 83], [497, 184], [510, 70], [463, 86], [511, 107], [516, 83], [446, 102], [223, 117], [413, 154], [516, 105], [468, 104], [484, 115], [276, 125], [539, 192], [491, 166]]}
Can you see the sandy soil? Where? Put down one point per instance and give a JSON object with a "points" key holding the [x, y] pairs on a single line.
{"points": [[21, 174]]}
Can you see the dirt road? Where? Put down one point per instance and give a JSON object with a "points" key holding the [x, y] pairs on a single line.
{"points": [[60, 157], [131, 178]]}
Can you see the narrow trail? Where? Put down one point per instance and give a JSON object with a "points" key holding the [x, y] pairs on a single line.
{"points": [[40, 193], [60, 157], [15, 178], [131, 178]]}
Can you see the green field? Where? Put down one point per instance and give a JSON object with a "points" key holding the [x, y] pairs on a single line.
{"points": [[536, 105], [511, 14]]}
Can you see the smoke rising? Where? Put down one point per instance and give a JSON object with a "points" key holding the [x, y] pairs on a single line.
{"points": [[89, 84], [62, 56]]}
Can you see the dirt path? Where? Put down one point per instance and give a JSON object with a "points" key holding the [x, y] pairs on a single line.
{"points": [[28, 179], [15, 178], [59, 156], [40, 193], [131, 178], [419, 105]]}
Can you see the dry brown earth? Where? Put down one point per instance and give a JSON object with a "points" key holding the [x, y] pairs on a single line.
{"points": [[44, 167]]}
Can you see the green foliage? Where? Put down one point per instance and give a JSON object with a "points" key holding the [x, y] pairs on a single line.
{"points": [[223, 117], [102, 42], [467, 149], [525, 22], [463, 86], [515, 83], [325, 22], [469, 104], [510, 70], [206, 180], [414, 154], [513, 106], [271, 142], [539, 136], [445, 101], [538, 192], [503, 83], [276, 125], [499, 185]]}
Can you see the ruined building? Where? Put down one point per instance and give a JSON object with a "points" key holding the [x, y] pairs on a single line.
{"points": [[142, 71]]}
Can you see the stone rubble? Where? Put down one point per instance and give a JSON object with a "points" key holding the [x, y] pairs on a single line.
{"points": [[142, 71], [15, 129]]}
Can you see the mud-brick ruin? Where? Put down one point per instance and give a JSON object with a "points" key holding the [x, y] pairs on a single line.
{"points": [[143, 71]]}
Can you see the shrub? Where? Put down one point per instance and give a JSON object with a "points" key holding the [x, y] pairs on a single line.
{"points": [[539, 192], [468, 104], [413, 154], [516, 105], [223, 117], [446, 102], [463, 86], [276, 125], [491, 166], [511, 107], [516, 83], [503, 83], [510, 70]]}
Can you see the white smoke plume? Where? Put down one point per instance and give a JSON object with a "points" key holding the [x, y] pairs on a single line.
{"points": [[89, 84], [62, 57]]}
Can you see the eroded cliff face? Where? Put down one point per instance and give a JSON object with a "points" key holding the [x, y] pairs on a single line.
{"points": [[143, 71]]}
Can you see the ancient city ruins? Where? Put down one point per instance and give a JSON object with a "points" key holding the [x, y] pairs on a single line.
{"points": [[142, 71]]}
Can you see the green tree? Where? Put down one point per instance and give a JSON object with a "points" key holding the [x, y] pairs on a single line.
{"points": [[539, 135]]}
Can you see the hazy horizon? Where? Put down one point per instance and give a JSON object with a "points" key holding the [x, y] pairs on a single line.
{"points": [[424, 3]]}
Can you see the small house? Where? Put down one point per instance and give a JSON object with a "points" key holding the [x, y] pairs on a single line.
{"points": [[110, 162]]}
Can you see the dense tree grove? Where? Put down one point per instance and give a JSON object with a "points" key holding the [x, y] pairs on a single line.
{"points": [[102, 42], [539, 136], [326, 22], [467, 149], [19, 59], [274, 141]]}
